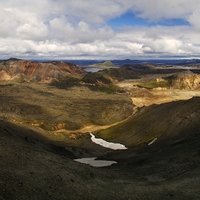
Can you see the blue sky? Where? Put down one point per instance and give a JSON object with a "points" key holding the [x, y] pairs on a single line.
{"points": [[131, 19], [93, 29]]}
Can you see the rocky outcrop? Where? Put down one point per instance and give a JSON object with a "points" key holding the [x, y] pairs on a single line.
{"points": [[184, 80], [24, 70], [4, 76]]}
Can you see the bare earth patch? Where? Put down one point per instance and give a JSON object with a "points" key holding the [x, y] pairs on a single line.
{"points": [[146, 97]]}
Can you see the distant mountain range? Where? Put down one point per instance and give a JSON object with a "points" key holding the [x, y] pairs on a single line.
{"points": [[128, 61], [18, 70], [120, 63]]}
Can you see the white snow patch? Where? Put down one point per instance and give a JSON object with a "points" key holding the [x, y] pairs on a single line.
{"points": [[150, 143], [106, 144], [95, 163]]}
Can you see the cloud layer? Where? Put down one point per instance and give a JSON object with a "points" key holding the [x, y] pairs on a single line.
{"points": [[59, 29]]}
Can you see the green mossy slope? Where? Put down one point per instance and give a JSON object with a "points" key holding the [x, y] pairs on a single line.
{"points": [[156, 121]]}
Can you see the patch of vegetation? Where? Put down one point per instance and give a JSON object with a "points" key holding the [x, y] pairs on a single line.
{"points": [[110, 89], [135, 131], [154, 84], [96, 77], [73, 80]]}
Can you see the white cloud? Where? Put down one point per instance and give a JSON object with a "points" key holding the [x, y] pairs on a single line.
{"points": [[194, 18], [77, 28], [60, 29], [35, 31], [64, 31], [24, 25]]}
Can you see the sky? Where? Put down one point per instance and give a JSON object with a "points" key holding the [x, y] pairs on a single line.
{"points": [[99, 29]]}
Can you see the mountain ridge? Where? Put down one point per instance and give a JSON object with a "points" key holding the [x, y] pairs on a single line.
{"points": [[45, 72]]}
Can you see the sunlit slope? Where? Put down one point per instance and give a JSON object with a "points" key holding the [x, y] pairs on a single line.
{"points": [[156, 121], [183, 80]]}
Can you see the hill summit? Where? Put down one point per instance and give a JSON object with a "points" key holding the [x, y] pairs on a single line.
{"points": [[104, 65]]}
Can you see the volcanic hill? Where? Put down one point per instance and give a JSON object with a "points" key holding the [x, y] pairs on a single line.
{"points": [[43, 72]]}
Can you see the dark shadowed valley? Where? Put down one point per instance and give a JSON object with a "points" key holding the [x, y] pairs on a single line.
{"points": [[48, 111]]}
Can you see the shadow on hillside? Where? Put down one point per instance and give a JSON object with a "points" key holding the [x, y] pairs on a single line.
{"points": [[29, 135]]}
